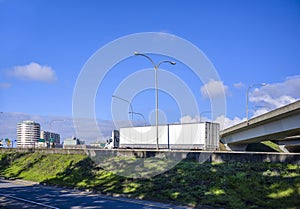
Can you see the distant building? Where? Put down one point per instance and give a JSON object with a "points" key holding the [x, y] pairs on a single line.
{"points": [[98, 144], [50, 139], [42, 143], [73, 143], [28, 134], [7, 143]]}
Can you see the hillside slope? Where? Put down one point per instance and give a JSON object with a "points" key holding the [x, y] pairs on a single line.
{"points": [[226, 185]]}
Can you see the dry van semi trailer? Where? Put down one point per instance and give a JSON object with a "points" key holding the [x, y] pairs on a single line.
{"points": [[203, 136]]}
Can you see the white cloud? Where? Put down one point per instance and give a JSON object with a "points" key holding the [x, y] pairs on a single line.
{"points": [[278, 94], [260, 111], [239, 85], [214, 89], [34, 71], [227, 122], [5, 85], [273, 102], [189, 119], [222, 120]]}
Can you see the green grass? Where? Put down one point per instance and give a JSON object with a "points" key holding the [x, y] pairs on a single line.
{"points": [[272, 145], [226, 185]]}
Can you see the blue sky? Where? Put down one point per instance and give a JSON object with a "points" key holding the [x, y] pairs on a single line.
{"points": [[45, 44]]}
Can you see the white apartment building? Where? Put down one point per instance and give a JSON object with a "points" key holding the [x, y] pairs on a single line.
{"points": [[28, 134]]}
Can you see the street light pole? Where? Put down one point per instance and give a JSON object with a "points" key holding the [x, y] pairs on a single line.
{"points": [[52, 144], [55, 120], [247, 98], [114, 96], [202, 113], [140, 115], [155, 66]]}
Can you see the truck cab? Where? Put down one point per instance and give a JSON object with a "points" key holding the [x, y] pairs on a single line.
{"points": [[114, 141]]}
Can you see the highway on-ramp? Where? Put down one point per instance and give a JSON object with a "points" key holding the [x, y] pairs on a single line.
{"points": [[23, 194]]}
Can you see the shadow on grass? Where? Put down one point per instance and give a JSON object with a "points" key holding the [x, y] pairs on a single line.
{"points": [[260, 147], [14, 164], [229, 185], [73, 173], [6, 159], [226, 185], [86, 174]]}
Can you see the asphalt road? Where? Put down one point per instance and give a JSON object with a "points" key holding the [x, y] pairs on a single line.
{"points": [[23, 194]]}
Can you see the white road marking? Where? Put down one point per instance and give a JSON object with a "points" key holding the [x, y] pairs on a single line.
{"points": [[29, 201], [113, 198]]}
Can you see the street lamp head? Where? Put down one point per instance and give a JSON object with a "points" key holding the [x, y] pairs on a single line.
{"points": [[247, 97], [257, 84], [136, 53], [173, 63]]}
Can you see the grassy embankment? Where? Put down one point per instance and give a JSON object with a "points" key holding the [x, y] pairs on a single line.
{"points": [[264, 146], [226, 185]]}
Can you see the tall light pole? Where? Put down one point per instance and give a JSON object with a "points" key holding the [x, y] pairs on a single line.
{"points": [[140, 115], [247, 98], [114, 96], [155, 66]]}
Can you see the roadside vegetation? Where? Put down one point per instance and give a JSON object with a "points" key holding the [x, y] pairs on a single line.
{"points": [[222, 185]]}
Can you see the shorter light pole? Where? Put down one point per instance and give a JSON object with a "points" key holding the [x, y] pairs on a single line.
{"points": [[247, 98], [202, 113], [58, 120], [51, 129], [12, 142], [114, 96], [140, 115]]}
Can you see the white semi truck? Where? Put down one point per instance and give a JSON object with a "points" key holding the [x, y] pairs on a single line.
{"points": [[200, 136]]}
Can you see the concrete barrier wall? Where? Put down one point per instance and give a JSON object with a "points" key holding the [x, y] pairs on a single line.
{"points": [[47, 151], [252, 157], [198, 156], [217, 156]]}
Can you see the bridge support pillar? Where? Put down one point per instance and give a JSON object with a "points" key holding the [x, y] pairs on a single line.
{"points": [[282, 147], [227, 147], [237, 147]]}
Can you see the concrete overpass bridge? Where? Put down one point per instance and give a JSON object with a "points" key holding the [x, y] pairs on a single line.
{"points": [[281, 126]]}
